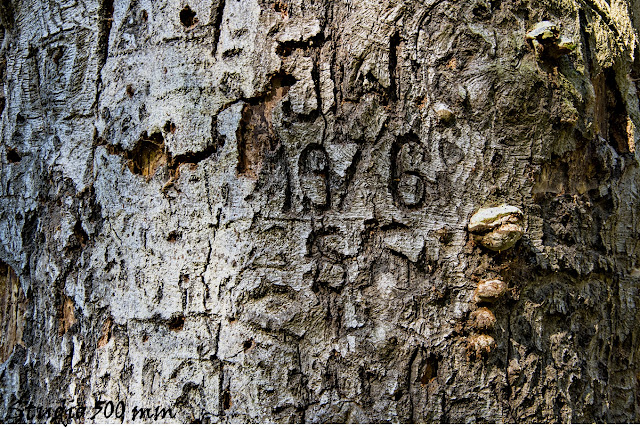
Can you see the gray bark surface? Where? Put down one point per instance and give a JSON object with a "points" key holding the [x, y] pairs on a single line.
{"points": [[250, 211]]}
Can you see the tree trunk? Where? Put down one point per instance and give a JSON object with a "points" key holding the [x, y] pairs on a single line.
{"points": [[248, 211]]}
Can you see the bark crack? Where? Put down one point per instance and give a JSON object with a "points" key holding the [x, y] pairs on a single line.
{"points": [[506, 371], [217, 15], [105, 21]]}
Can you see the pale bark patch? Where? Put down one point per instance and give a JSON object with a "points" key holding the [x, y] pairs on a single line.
{"points": [[68, 317], [12, 311]]}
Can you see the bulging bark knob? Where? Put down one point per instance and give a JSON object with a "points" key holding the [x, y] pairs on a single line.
{"points": [[480, 344], [483, 319], [490, 290], [444, 113], [497, 228], [546, 41]]}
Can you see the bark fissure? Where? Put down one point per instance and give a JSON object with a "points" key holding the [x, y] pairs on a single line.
{"points": [[217, 15]]}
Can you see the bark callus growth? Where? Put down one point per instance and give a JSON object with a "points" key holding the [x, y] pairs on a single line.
{"points": [[497, 228], [490, 290], [444, 113], [479, 345], [547, 42], [483, 319]]}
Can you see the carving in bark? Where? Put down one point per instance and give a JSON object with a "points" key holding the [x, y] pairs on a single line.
{"points": [[258, 211]]}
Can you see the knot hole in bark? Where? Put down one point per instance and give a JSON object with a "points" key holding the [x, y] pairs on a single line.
{"points": [[188, 17], [12, 155]]}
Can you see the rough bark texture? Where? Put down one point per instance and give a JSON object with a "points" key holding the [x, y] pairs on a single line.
{"points": [[255, 211]]}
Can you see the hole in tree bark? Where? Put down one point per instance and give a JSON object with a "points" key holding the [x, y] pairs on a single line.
{"points": [[147, 155], [176, 323], [611, 116], [430, 371], [226, 400], [12, 155], [280, 6], [188, 17], [174, 236], [81, 236], [170, 127]]}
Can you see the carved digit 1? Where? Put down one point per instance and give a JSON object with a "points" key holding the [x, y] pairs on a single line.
{"points": [[314, 167]]}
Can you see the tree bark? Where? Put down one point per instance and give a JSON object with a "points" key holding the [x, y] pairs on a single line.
{"points": [[257, 211]]}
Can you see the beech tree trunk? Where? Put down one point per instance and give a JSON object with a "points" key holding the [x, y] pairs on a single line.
{"points": [[258, 211]]}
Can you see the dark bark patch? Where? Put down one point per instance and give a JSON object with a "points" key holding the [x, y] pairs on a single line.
{"points": [[394, 45], [174, 236], [281, 6], [430, 371], [56, 54], [29, 230], [12, 155], [188, 17], [248, 345], [444, 235], [176, 323], [170, 127], [481, 10], [80, 235], [149, 154], [286, 48], [106, 19], [230, 53], [146, 156], [610, 113], [216, 19], [581, 171], [226, 400], [12, 311], [6, 14]]}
